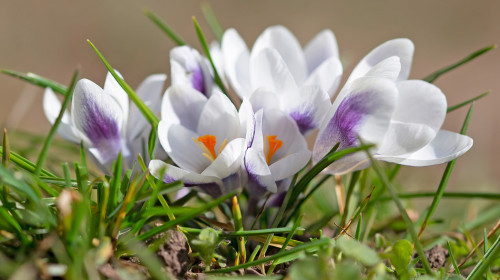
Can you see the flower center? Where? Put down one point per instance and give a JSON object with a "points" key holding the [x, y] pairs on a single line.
{"points": [[207, 145], [273, 145]]}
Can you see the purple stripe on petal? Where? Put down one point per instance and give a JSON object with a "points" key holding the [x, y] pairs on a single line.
{"points": [[102, 130], [254, 185], [304, 120], [197, 79], [342, 128]]}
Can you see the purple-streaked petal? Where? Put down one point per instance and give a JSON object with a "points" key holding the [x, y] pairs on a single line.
{"points": [[419, 115], [219, 118], [236, 59], [285, 43], [52, 107], [182, 104], [247, 122], [260, 179], [321, 48], [307, 107], [445, 147], [149, 91], [402, 48], [188, 67], [99, 117], [365, 112], [268, 70], [327, 75]]}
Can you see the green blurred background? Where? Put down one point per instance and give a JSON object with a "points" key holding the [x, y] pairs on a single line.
{"points": [[48, 38]]}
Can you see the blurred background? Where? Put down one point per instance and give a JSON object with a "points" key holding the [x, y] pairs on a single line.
{"points": [[49, 38]]}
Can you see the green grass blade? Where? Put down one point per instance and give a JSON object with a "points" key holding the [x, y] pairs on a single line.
{"points": [[354, 179], [26, 164], [409, 224], [445, 177], [187, 217], [114, 185], [467, 102], [6, 148], [37, 80], [165, 28], [212, 21], [148, 114], [245, 233], [306, 246], [53, 129], [452, 257], [432, 77], [489, 257], [458, 195], [204, 45], [288, 238], [357, 235]]}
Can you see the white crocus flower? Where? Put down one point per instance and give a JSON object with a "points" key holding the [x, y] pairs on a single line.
{"points": [[303, 80], [202, 137], [104, 120], [276, 149], [402, 117], [188, 67]]}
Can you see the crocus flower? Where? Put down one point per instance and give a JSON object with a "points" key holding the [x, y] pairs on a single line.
{"points": [[104, 120], [402, 117], [302, 81], [203, 138], [276, 150]]}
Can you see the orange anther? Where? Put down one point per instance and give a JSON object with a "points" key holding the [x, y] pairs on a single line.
{"points": [[274, 145], [209, 142]]}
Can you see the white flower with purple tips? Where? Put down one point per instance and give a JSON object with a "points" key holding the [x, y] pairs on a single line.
{"points": [[203, 138], [303, 81], [188, 67], [104, 120], [402, 117]]}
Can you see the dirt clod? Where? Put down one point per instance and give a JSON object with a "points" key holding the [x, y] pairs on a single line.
{"points": [[436, 256], [175, 253]]}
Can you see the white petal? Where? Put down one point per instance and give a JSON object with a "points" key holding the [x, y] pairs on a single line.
{"points": [[289, 165], [445, 147], [263, 98], [247, 122], [182, 104], [150, 92], [172, 174], [283, 41], [236, 62], [259, 174], [183, 149], [402, 48], [321, 48], [419, 115], [327, 75], [52, 107], [112, 88], [219, 118], [365, 112], [269, 70], [99, 118], [228, 161], [347, 164], [189, 67]]}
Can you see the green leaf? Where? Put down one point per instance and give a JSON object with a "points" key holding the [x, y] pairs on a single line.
{"points": [[460, 105], [212, 21], [37, 80], [484, 263], [400, 256], [165, 28], [357, 250], [432, 77]]}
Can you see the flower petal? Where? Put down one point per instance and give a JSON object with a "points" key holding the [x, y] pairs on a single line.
{"points": [[260, 179], [284, 42], [98, 117], [307, 107], [112, 88], [419, 115], [289, 165], [150, 92], [188, 67], [269, 70], [402, 48], [182, 104], [228, 161], [445, 147], [52, 107], [365, 112], [219, 118], [321, 48], [172, 174], [263, 98], [236, 59], [327, 75]]}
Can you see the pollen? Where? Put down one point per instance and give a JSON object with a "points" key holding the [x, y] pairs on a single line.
{"points": [[207, 145], [274, 145]]}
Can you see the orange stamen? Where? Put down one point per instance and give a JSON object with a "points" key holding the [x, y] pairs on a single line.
{"points": [[209, 142], [274, 145]]}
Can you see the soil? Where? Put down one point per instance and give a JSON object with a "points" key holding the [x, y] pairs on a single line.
{"points": [[436, 256]]}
